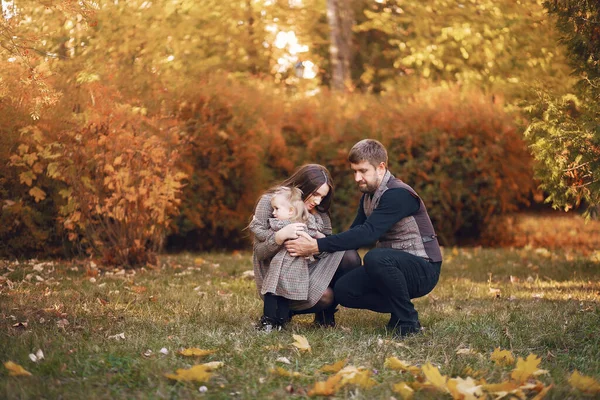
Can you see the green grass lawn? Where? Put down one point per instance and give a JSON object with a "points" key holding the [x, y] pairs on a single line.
{"points": [[528, 301]]}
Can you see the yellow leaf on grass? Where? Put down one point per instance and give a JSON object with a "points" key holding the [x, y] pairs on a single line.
{"points": [[357, 376], [464, 389], [198, 373], [432, 374], [502, 357], [196, 352], [16, 369], [328, 387], [500, 389], [399, 365], [335, 367], [279, 371], [211, 366], [301, 343], [404, 390], [526, 368], [586, 384], [542, 393]]}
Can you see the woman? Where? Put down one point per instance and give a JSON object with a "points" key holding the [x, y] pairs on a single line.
{"points": [[317, 187]]}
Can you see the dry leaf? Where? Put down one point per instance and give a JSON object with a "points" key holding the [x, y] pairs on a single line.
{"points": [[16, 369], [283, 360], [502, 357], [335, 367], [198, 373], [464, 389], [138, 289], [38, 356], [399, 365], [196, 352], [465, 352], [542, 393], [433, 376], [301, 343], [328, 387], [586, 384], [403, 390], [357, 376], [211, 366], [283, 372], [526, 368], [118, 336]]}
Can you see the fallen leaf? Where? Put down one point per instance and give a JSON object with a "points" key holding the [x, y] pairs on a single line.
{"points": [[433, 376], [502, 357], [301, 343], [464, 389], [584, 383], [164, 351], [196, 352], [465, 351], [335, 367], [16, 369], [211, 366], [525, 368], [543, 393], [248, 274], [283, 372], [283, 360], [138, 289], [118, 336], [399, 365], [38, 356], [198, 373], [326, 388], [403, 390], [357, 376]]}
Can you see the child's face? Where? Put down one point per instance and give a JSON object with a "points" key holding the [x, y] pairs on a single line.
{"points": [[282, 209]]}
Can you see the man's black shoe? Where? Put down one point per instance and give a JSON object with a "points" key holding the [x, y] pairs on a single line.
{"points": [[325, 318]]}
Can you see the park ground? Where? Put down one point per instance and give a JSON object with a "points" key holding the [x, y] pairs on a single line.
{"points": [[517, 322]]}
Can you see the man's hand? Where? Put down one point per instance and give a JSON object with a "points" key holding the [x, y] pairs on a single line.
{"points": [[304, 246]]}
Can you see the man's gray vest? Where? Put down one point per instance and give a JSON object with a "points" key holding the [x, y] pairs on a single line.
{"points": [[413, 234]]}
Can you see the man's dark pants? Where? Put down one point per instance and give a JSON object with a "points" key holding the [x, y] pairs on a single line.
{"points": [[387, 282]]}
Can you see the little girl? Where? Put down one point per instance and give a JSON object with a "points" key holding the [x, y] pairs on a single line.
{"points": [[287, 277]]}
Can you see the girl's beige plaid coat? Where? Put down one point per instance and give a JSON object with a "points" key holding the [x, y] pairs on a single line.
{"points": [[320, 271]]}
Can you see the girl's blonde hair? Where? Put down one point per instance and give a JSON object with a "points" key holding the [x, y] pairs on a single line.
{"points": [[294, 196]]}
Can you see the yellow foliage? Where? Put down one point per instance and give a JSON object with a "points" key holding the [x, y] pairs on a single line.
{"points": [[335, 367], [198, 373], [586, 384], [16, 369], [357, 376], [467, 389], [279, 371], [196, 352], [398, 365], [526, 368], [301, 343], [403, 390], [433, 376], [502, 357], [328, 387]]}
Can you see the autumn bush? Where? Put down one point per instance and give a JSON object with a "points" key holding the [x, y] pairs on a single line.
{"points": [[460, 151], [28, 228], [119, 170], [231, 155]]}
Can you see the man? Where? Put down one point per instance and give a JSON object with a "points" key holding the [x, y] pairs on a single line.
{"points": [[406, 261]]}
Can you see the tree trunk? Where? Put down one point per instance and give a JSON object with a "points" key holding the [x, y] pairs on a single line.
{"points": [[341, 18]]}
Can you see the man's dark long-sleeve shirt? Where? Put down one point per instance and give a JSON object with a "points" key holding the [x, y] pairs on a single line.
{"points": [[394, 205]]}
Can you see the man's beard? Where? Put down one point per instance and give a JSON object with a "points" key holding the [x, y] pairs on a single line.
{"points": [[367, 188]]}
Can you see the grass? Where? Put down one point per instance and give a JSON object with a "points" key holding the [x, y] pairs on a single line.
{"points": [[536, 300]]}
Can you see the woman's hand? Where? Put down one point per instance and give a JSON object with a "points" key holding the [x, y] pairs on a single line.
{"points": [[289, 232]]}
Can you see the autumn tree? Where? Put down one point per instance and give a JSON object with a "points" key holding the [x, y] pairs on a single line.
{"points": [[341, 20], [565, 134]]}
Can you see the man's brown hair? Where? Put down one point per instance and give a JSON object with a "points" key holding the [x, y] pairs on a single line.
{"points": [[369, 150]]}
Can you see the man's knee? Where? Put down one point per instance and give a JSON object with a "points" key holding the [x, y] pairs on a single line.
{"points": [[377, 262]]}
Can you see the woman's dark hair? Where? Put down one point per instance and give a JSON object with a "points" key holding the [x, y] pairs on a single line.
{"points": [[309, 178]]}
